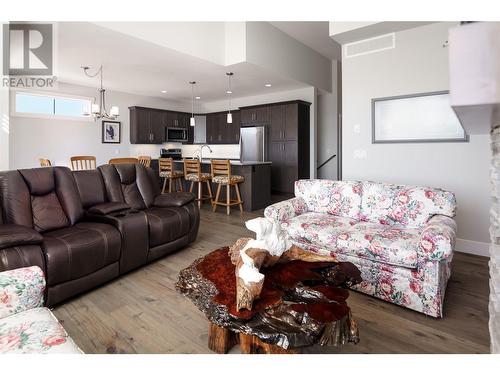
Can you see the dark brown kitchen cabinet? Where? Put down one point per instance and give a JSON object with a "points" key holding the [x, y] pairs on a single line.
{"points": [[232, 131], [277, 123], [157, 128], [284, 167], [145, 126], [212, 128], [255, 115], [141, 131], [218, 131], [284, 122], [174, 120], [148, 125], [289, 147], [190, 130], [276, 156]]}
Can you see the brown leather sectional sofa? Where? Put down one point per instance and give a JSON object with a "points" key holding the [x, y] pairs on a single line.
{"points": [[85, 228]]}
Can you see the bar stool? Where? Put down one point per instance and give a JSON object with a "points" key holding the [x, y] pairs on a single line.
{"points": [[144, 160], [221, 175], [192, 172], [167, 171]]}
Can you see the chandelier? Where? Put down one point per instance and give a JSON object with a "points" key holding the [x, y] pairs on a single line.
{"points": [[99, 111]]}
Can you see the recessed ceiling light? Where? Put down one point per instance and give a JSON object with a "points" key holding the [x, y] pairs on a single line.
{"points": [[268, 85], [229, 92], [198, 97], [163, 91]]}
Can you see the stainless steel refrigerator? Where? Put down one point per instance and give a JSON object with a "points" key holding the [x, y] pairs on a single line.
{"points": [[253, 146]]}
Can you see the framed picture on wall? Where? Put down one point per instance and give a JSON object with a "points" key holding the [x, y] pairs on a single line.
{"points": [[111, 131]]}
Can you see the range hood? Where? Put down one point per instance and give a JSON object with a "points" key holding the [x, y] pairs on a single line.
{"points": [[474, 58]]}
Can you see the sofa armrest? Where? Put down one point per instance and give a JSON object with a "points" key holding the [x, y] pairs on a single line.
{"points": [[108, 208], [437, 240], [17, 235], [173, 199], [285, 210], [21, 289]]}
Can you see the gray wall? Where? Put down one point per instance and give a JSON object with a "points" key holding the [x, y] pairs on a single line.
{"points": [[419, 63]]}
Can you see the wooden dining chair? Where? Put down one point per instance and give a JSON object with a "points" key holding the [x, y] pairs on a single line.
{"points": [[123, 161], [80, 163], [45, 162], [145, 160], [166, 170], [221, 175], [192, 172]]}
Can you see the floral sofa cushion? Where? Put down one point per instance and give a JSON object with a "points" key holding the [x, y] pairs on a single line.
{"points": [[34, 331], [341, 198], [386, 244], [21, 289], [408, 206]]}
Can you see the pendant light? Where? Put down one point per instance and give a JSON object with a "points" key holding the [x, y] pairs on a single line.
{"points": [[192, 121], [229, 92]]}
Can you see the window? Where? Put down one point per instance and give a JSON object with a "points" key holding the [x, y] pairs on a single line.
{"points": [[40, 105], [416, 118]]}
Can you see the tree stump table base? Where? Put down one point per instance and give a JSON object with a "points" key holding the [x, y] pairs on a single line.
{"points": [[221, 340], [301, 304]]}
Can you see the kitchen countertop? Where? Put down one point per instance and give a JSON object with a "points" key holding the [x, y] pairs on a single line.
{"points": [[234, 162]]}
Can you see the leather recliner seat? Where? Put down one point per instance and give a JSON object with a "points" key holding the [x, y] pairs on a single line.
{"points": [[173, 219], [19, 246], [78, 255], [85, 228]]}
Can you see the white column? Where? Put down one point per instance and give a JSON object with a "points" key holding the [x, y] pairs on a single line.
{"points": [[4, 114], [494, 306]]}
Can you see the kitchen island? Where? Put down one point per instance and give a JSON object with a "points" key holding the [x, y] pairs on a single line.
{"points": [[255, 190]]}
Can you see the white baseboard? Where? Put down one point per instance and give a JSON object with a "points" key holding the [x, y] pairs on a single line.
{"points": [[472, 247]]}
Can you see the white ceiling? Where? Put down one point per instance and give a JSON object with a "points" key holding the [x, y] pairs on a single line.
{"points": [[137, 66], [314, 34]]}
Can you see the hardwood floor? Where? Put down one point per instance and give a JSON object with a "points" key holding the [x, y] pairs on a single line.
{"points": [[142, 313]]}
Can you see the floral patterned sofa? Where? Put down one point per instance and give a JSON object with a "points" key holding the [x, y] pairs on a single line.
{"points": [[400, 237], [26, 326]]}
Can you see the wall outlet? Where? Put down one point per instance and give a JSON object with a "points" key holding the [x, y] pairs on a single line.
{"points": [[117, 151], [357, 128], [360, 154]]}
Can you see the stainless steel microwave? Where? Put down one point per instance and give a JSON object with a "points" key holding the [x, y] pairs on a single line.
{"points": [[177, 135]]}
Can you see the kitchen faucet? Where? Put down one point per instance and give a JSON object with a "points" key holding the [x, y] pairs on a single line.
{"points": [[201, 151]]}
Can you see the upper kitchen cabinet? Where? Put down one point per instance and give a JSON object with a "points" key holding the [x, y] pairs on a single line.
{"points": [[190, 129], [146, 126], [176, 119], [284, 121], [218, 131], [232, 133], [140, 125], [212, 128], [157, 127], [255, 115]]}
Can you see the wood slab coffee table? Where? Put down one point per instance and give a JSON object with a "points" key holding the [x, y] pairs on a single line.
{"points": [[301, 304]]}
